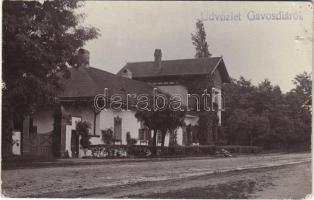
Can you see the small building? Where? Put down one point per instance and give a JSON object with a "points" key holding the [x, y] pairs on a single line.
{"points": [[76, 103]]}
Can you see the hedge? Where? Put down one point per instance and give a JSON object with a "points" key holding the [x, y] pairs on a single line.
{"points": [[114, 151]]}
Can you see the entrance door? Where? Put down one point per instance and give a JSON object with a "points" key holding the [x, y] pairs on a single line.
{"points": [[74, 144]]}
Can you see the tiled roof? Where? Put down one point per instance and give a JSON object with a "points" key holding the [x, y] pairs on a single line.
{"points": [[180, 67], [88, 82]]}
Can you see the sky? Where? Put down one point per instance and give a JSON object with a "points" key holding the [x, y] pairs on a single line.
{"points": [[255, 49]]}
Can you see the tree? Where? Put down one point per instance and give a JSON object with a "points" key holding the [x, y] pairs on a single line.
{"points": [[199, 41], [130, 140], [207, 123], [303, 84], [107, 136], [162, 121], [82, 129], [299, 108], [263, 115], [38, 41], [171, 121]]}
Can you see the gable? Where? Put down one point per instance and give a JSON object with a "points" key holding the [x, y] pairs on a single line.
{"points": [[216, 79]]}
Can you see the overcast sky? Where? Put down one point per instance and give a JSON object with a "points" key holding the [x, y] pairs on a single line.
{"points": [[130, 31]]}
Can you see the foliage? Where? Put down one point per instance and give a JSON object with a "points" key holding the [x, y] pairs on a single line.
{"points": [[207, 123], [105, 151], [38, 41], [262, 115], [163, 121], [82, 129], [129, 140], [208, 120], [107, 136], [199, 41], [173, 139]]}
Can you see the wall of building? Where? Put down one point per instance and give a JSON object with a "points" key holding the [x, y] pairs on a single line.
{"points": [[105, 119], [175, 90], [217, 79], [68, 133], [43, 120], [191, 120], [180, 136], [84, 112], [129, 122]]}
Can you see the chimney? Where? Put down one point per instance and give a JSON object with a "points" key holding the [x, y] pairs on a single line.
{"points": [[157, 61], [83, 57], [126, 73]]}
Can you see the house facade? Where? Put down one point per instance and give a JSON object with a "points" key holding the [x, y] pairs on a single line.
{"points": [[184, 77]]}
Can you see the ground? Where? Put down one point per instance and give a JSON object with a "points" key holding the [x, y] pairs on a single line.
{"points": [[263, 176]]}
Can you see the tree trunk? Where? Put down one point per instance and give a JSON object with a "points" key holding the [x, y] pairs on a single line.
{"points": [[154, 151], [155, 138], [7, 127]]}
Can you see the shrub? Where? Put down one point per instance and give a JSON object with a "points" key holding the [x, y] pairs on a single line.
{"points": [[175, 151], [82, 129], [107, 136], [129, 140], [207, 149]]}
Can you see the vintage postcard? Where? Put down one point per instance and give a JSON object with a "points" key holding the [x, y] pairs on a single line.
{"points": [[167, 100]]}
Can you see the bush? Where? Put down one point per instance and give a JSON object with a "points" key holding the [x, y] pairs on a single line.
{"points": [[82, 129], [107, 136], [174, 151], [129, 140]]}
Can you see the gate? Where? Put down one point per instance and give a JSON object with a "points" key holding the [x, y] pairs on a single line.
{"points": [[41, 145]]}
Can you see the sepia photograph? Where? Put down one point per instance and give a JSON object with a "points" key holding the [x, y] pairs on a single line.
{"points": [[156, 100]]}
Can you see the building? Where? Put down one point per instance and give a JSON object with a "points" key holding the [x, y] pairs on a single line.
{"points": [[76, 103], [178, 77]]}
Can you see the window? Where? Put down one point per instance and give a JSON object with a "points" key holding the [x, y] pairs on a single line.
{"points": [[117, 129], [159, 139], [143, 134]]}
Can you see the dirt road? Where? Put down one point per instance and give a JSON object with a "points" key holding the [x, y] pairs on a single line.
{"points": [[207, 178]]}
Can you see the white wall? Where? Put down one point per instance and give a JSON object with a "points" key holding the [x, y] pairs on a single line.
{"points": [[16, 139], [191, 120], [104, 120], [68, 134], [179, 136], [83, 112], [175, 90], [129, 122]]}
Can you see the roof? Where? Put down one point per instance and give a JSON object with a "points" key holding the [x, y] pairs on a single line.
{"points": [[88, 82], [196, 66]]}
